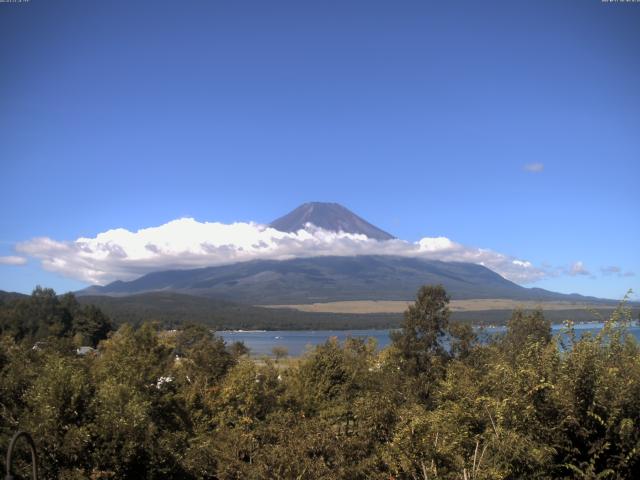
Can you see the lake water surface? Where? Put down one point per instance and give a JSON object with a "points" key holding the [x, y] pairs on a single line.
{"points": [[297, 341]]}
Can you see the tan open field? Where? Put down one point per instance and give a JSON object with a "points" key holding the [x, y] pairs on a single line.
{"points": [[393, 306]]}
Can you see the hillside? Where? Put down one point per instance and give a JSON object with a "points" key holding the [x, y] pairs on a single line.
{"points": [[8, 296], [332, 278]]}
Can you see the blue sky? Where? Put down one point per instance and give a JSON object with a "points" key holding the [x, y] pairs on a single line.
{"points": [[419, 116]]}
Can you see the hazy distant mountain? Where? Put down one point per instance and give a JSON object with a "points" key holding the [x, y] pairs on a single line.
{"points": [[325, 279], [330, 216]]}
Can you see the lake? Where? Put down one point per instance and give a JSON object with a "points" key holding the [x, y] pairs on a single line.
{"points": [[297, 341]]}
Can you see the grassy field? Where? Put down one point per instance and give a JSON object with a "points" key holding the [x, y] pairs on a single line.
{"points": [[393, 306]]}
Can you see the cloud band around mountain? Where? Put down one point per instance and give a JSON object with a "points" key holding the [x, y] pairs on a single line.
{"points": [[12, 260], [120, 254]]}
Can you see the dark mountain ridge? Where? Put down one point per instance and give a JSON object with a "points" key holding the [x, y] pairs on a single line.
{"points": [[330, 216], [332, 278], [10, 296]]}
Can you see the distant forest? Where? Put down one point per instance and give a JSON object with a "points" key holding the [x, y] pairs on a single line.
{"points": [[155, 404], [171, 310], [174, 309]]}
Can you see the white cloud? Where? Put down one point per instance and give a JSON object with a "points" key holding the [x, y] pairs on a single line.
{"points": [[534, 167], [613, 269], [578, 268], [12, 260], [120, 254], [521, 263], [610, 270]]}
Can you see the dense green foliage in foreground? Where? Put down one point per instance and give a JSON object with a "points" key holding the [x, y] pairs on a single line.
{"points": [[157, 404]]}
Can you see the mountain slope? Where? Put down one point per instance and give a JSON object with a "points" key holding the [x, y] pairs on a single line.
{"points": [[326, 279], [330, 216]]}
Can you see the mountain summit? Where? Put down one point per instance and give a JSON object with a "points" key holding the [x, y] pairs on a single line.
{"points": [[330, 216]]}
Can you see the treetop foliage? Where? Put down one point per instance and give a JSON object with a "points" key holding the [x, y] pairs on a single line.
{"points": [[436, 404], [45, 314]]}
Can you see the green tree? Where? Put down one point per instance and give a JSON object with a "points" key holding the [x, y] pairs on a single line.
{"points": [[140, 425], [463, 339], [44, 316], [419, 344], [202, 360], [58, 414], [524, 328], [37, 317], [91, 324]]}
